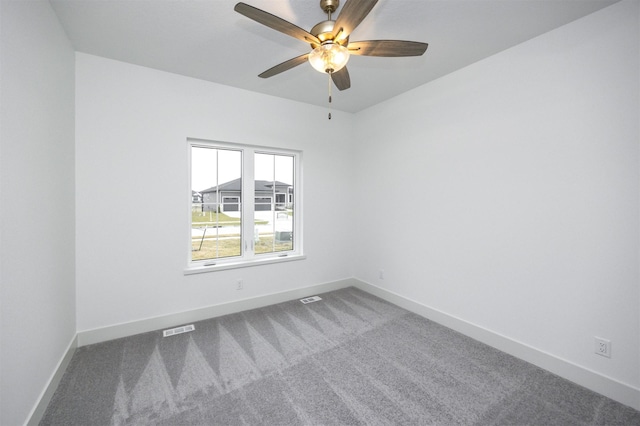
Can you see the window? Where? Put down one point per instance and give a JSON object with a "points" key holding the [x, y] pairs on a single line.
{"points": [[244, 206]]}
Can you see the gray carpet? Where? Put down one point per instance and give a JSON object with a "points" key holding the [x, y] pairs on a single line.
{"points": [[349, 359]]}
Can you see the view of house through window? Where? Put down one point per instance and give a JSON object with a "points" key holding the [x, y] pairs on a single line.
{"points": [[216, 209], [242, 203], [273, 183]]}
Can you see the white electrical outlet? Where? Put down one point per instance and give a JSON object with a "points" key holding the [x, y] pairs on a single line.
{"points": [[381, 274], [603, 347], [239, 285]]}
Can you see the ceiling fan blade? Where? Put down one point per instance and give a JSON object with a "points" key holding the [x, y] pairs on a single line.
{"points": [[352, 13], [388, 48], [284, 66], [341, 79], [276, 23]]}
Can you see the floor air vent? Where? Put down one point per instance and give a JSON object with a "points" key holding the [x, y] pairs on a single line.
{"points": [[178, 330], [310, 299]]}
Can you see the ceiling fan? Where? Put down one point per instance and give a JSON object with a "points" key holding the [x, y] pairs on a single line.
{"points": [[329, 39]]}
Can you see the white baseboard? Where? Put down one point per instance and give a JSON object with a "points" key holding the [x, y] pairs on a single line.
{"points": [[607, 386], [45, 397], [166, 321]]}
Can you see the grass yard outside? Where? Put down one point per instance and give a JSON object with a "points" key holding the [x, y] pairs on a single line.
{"points": [[229, 246], [219, 244], [213, 218]]}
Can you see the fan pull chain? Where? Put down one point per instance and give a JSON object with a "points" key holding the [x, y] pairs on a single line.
{"points": [[329, 74]]}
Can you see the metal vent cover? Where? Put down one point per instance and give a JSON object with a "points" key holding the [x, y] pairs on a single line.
{"points": [[310, 299], [178, 330]]}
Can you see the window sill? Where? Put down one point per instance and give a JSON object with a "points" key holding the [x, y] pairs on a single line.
{"points": [[241, 264]]}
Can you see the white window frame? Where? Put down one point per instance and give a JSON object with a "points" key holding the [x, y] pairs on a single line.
{"points": [[248, 257]]}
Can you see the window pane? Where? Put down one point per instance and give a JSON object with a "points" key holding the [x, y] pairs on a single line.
{"points": [[274, 202], [216, 189]]}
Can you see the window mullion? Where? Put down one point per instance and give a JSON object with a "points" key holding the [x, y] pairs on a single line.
{"points": [[248, 203], [273, 205]]}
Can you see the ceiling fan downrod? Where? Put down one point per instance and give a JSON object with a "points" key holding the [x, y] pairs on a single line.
{"points": [[329, 6]]}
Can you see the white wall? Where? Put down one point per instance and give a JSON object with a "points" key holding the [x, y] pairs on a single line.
{"points": [[132, 126], [37, 198], [511, 193]]}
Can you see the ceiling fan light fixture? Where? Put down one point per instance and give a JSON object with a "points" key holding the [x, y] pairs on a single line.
{"points": [[329, 57]]}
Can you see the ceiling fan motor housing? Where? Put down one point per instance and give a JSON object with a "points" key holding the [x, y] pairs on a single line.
{"points": [[324, 32]]}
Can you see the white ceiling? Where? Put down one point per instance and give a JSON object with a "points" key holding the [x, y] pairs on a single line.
{"points": [[207, 39]]}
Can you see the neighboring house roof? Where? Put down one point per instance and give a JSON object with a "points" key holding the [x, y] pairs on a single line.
{"points": [[235, 185]]}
